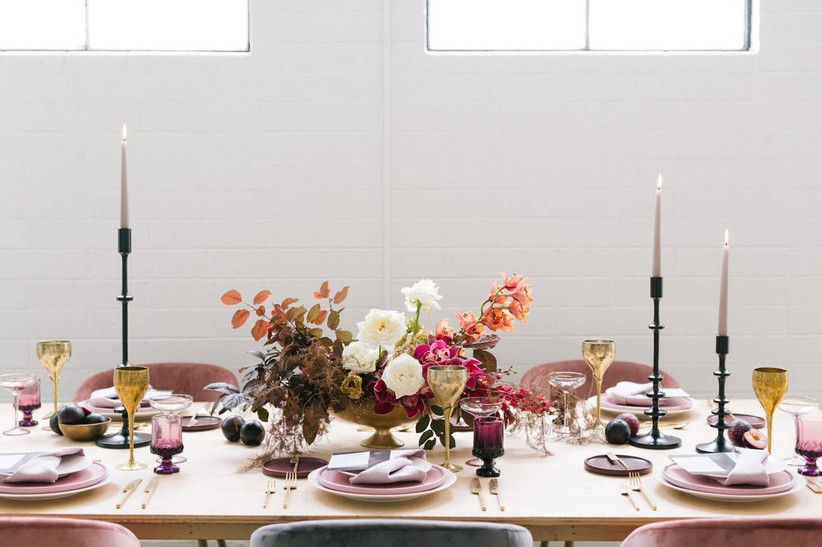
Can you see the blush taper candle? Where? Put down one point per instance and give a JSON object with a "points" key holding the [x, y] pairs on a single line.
{"points": [[723, 291], [656, 268], [124, 220]]}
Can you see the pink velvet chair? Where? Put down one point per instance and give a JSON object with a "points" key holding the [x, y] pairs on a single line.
{"points": [[537, 376], [188, 378], [36, 531], [736, 532]]}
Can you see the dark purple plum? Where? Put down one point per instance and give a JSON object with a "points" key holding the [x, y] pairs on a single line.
{"points": [[631, 420], [231, 427], [71, 415], [736, 432], [252, 433], [617, 432], [54, 424], [94, 418]]}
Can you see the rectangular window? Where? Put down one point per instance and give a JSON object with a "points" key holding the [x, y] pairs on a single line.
{"points": [[589, 25], [124, 25]]}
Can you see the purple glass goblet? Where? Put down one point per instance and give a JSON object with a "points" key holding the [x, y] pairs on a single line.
{"points": [[809, 443], [166, 441], [29, 402], [489, 432]]}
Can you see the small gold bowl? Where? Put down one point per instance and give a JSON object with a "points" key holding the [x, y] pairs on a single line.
{"points": [[85, 432]]}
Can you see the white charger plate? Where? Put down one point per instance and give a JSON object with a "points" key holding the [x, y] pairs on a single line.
{"points": [[56, 495], [797, 485], [450, 479]]}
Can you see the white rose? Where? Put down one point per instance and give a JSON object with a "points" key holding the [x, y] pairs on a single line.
{"points": [[424, 292], [403, 375], [359, 358], [382, 328]]}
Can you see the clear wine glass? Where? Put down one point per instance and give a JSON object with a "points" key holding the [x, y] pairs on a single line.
{"points": [[14, 383], [480, 407], [172, 405], [566, 382]]}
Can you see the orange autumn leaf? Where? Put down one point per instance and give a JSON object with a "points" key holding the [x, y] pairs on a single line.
{"points": [[320, 319], [261, 297], [260, 311], [341, 295], [288, 301], [324, 291], [260, 329], [231, 297], [239, 318]]}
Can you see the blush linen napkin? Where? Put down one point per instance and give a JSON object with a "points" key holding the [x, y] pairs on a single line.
{"points": [[43, 468], [633, 394], [749, 469], [107, 397], [403, 466]]}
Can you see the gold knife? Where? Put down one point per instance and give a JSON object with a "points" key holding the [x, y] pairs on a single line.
{"points": [[495, 489], [150, 489], [613, 458], [128, 491]]}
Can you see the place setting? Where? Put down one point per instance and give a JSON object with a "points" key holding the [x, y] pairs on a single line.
{"points": [[36, 476]]}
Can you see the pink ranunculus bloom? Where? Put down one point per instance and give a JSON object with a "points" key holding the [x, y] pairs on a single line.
{"points": [[512, 282]]}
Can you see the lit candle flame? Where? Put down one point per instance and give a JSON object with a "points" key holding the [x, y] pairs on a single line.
{"points": [[659, 182], [726, 237], [124, 131]]}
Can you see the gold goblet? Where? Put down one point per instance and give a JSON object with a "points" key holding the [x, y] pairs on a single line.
{"points": [[131, 384], [770, 384], [53, 355], [599, 354], [447, 383]]}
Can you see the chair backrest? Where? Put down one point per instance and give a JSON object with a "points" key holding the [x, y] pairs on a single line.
{"points": [[536, 376], [734, 532], [188, 378], [396, 533], [65, 532]]}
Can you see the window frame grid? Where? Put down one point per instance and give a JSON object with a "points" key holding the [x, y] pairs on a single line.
{"points": [[746, 40]]}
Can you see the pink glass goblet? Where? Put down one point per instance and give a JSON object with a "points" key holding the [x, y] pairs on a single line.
{"points": [[29, 401], [478, 407], [489, 432], [809, 442], [15, 383], [166, 441]]}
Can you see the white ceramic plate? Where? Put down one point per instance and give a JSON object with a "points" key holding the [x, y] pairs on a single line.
{"points": [[56, 495], [611, 408], [450, 479], [798, 484]]}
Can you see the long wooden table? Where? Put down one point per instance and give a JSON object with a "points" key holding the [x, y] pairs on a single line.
{"points": [[553, 496]]}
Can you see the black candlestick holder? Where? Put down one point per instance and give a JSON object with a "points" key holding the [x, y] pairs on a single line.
{"points": [[720, 444], [120, 440], [654, 439]]}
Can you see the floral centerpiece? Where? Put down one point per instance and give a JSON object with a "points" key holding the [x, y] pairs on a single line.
{"points": [[312, 368]]}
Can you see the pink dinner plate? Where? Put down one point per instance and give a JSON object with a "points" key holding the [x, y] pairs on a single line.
{"points": [[778, 482], [89, 476], [335, 480], [674, 404]]}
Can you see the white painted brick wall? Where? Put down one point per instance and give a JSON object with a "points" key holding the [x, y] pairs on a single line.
{"points": [[266, 170]]}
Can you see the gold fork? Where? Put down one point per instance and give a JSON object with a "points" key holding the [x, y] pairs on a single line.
{"points": [[497, 492], [290, 484], [623, 489], [476, 488], [636, 485], [269, 489]]}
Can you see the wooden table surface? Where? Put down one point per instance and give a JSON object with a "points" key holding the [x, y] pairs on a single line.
{"points": [[553, 496]]}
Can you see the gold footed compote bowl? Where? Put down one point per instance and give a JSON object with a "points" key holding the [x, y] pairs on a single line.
{"points": [[599, 354], [53, 355], [131, 384], [770, 384], [447, 383]]}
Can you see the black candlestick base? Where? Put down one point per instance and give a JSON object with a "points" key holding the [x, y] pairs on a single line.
{"points": [[720, 444], [658, 442], [120, 440], [713, 447]]}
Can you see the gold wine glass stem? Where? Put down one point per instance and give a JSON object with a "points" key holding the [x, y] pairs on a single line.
{"points": [[54, 389], [598, 382], [131, 461], [447, 415], [769, 422]]}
